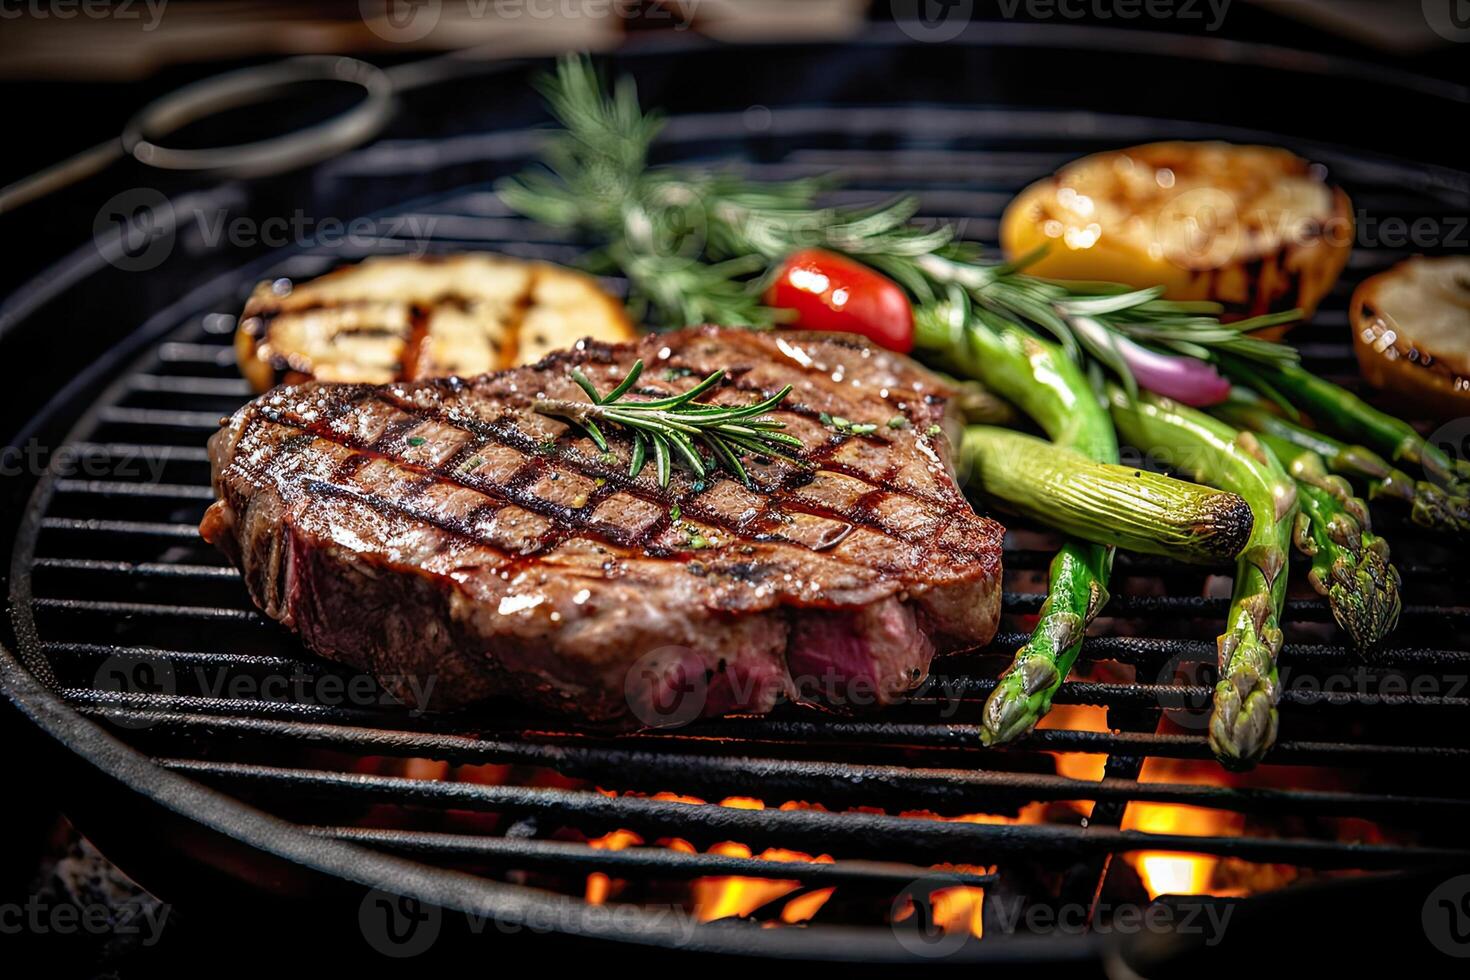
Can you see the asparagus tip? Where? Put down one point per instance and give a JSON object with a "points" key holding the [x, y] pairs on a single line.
{"points": [[1364, 596], [1241, 739], [1019, 701], [1243, 725]]}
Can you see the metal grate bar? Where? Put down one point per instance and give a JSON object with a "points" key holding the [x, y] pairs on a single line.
{"points": [[143, 528], [146, 569], [153, 609], [121, 488], [190, 385], [1212, 607], [842, 783], [207, 657], [162, 418], [563, 856], [962, 690], [219, 355], [145, 451], [138, 711], [815, 831], [1151, 652]]}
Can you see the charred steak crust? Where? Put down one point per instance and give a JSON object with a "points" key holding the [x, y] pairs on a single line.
{"points": [[457, 545]]}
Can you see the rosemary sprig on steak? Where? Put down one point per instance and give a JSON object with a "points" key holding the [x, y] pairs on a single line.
{"points": [[673, 426]]}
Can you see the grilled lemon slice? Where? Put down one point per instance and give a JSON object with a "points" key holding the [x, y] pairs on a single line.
{"points": [[398, 318], [1253, 227], [1411, 332]]}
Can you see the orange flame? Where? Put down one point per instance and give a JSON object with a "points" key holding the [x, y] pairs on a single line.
{"points": [[1079, 718], [957, 910], [1166, 872], [718, 898]]}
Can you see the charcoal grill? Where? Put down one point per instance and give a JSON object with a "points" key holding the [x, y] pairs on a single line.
{"points": [[137, 654]]}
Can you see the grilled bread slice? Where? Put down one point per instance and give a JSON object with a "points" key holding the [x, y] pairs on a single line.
{"points": [[1255, 228], [1411, 332], [397, 318]]}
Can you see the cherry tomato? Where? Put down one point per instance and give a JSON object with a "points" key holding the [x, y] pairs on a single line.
{"points": [[832, 292]]}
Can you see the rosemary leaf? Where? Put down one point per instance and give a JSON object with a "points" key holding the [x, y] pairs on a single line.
{"points": [[676, 425]]}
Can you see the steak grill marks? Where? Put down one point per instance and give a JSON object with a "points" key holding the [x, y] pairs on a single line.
{"points": [[610, 477]]}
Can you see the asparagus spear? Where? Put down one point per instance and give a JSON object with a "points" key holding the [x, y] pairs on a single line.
{"points": [[1429, 506], [1338, 409], [1106, 504], [1243, 724], [1051, 389], [1350, 563]]}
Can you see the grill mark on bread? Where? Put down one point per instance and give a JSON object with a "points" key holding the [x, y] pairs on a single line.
{"points": [[507, 355], [418, 331]]}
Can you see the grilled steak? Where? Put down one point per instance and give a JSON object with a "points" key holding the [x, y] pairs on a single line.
{"points": [[456, 544]]}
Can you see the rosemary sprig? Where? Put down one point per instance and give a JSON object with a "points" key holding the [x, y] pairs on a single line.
{"points": [[696, 244], [672, 427]]}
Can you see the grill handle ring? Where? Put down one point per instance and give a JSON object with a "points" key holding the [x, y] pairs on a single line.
{"points": [[231, 90]]}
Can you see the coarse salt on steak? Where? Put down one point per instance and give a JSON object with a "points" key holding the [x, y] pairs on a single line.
{"points": [[457, 545]]}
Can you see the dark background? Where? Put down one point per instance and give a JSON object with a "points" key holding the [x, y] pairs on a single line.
{"points": [[62, 96]]}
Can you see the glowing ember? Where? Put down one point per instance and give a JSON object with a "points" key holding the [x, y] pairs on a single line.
{"points": [[598, 884]]}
